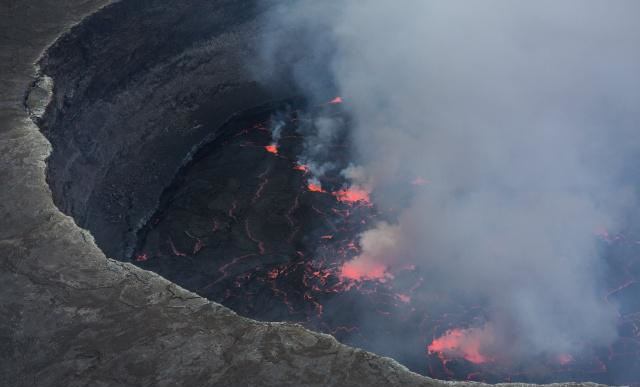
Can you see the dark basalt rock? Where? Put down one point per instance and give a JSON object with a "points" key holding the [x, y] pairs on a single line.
{"points": [[134, 85], [71, 316]]}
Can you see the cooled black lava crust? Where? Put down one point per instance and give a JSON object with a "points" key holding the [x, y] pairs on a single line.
{"points": [[240, 226], [238, 212], [138, 88]]}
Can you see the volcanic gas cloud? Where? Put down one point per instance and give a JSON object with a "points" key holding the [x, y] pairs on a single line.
{"points": [[495, 137]]}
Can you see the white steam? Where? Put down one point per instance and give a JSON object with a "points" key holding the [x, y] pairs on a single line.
{"points": [[524, 119]]}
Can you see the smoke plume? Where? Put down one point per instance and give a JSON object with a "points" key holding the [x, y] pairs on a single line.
{"points": [[503, 132]]}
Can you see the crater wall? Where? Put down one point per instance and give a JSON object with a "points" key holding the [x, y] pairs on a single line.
{"points": [[137, 89]]}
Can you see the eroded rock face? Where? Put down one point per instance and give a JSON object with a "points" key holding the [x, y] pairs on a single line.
{"points": [[72, 317], [138, 89]]}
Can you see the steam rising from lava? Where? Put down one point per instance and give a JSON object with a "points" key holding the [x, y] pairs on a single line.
{"points": [[503, 133], [466, 343]]}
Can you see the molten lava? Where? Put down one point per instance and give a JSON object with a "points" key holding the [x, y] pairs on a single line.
{"points": [[461, 343], [336, 100], [142, 257], [273, 148], [361, 269], [353, 195], [302, 168], [313, 187]]}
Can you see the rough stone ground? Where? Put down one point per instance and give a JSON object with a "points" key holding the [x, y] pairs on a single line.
{"points": [[71, 317]]}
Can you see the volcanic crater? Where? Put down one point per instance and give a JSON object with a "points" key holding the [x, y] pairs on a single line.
{"points": [[178, 158]]}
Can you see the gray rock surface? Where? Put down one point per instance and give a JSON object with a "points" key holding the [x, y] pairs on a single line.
{"points": [[69, 316]]}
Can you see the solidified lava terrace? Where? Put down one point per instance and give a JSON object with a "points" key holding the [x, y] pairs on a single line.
{"points": [[244, 224], [177, 159]]}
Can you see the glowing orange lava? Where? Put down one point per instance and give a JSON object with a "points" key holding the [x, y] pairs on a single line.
{"points": [[464, 343], [336, 100], [352, 195], [315, 187], [360, 270], [301, 167], [273, 148], [142, 257]]}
